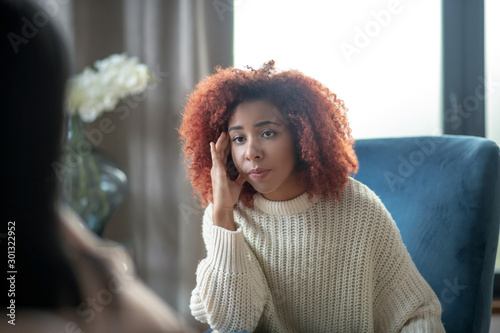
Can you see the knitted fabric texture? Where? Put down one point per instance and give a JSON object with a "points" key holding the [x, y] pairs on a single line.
{"points": [[312, 266]]}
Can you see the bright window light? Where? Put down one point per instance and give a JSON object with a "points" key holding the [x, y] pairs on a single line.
{"points": [[492, 54], [383, 58], [492, 68]]}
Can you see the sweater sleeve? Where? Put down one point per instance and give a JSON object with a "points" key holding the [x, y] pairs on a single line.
{"points": [[231, 289], [403, 300]]}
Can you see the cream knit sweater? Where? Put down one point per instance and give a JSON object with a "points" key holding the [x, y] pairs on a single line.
{"points": [[312, 266]]}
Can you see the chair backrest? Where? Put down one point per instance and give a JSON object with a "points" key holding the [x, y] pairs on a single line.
{"points": [[444, 194]]}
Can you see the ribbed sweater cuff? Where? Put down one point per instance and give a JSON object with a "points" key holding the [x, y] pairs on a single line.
{"points": [[228, 251], [400, 299], [424, 324]]}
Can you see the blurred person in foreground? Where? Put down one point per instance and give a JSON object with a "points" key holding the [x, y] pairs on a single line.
{"points": [[66, 279]]}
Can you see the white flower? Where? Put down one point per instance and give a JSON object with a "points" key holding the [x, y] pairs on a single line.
{"points": [[94, 91]]}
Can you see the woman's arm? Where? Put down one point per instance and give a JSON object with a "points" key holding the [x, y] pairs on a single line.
{"points": [[231, 289]]}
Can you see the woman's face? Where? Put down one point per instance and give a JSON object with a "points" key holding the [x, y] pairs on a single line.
{"points": [[262, 148]]}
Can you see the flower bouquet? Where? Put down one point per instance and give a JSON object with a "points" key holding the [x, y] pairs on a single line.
{"points": [[94, 91], [93, 184]]}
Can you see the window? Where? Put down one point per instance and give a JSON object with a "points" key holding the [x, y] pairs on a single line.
{"points": [[492, 54], [492, 74], [383, 58]]}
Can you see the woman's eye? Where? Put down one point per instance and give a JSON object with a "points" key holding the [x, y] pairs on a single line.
{"points": [[238, 139], [268, 134]]}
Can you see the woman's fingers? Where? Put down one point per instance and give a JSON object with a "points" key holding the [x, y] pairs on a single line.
{"points": [[227, 147], [220, 142], [218, 152], [225, 191], [222, 147], [213, 152]]}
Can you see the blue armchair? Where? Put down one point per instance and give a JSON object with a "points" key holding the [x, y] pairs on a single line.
{"points": [[444, 194]]}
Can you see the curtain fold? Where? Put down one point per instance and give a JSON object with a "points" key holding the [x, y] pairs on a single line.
{"points": [[181, 41]]}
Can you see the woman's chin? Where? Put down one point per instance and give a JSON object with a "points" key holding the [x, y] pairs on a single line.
{"points": [[264, 190], [259, 188]]}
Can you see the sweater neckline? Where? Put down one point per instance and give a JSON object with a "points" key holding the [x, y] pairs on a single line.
{"points": [[293, 206]]}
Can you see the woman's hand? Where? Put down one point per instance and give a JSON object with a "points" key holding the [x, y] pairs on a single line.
{"points": [[225, 191]]}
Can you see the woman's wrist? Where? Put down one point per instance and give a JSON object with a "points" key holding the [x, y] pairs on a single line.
{"points": [[223, 217]]}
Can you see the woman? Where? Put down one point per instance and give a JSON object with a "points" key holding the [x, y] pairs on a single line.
{"points": [[63, 279], [294, 244]]}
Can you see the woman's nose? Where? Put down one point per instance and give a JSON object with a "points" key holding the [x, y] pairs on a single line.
{"points": [[253, 151]]}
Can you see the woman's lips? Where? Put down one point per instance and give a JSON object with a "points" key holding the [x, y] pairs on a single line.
{"points": [[259, 175]]}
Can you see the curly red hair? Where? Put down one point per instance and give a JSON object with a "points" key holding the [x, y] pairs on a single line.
{"points": [[317, 120]]}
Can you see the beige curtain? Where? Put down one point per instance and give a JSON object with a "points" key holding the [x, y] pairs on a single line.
{"points": [[182, 41]]}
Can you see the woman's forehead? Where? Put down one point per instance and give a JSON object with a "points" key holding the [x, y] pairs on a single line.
{"points": [[254, 111]]}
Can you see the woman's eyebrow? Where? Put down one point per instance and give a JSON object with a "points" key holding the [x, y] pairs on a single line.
{"points": [[267, 122], [260, 124], [235, 128]]}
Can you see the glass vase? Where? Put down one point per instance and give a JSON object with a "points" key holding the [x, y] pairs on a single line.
{"points": [[93, 183]]}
